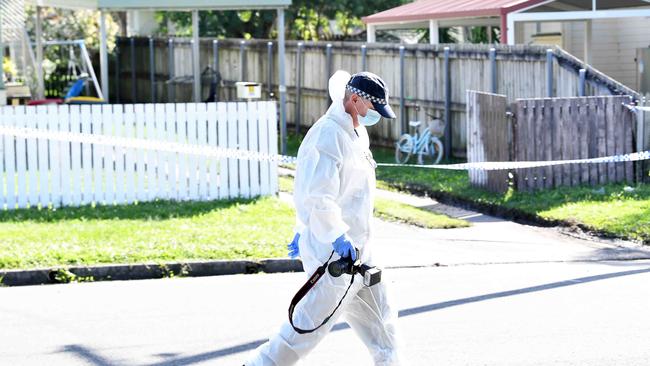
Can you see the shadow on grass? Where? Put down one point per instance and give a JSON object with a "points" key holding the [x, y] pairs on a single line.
{"points": [[156, 210]]}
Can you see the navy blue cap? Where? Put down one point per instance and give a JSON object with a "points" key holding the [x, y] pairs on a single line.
{"points": [[371, 87]]}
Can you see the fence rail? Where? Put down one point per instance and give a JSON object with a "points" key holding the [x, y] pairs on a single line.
{"points": [[45, 172], [521, 72]]}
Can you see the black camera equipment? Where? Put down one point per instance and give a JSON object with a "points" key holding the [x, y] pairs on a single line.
{"points": [[371, 276]]}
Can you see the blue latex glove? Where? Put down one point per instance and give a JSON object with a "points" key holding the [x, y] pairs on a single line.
{"points": [[344, 247], [294, 251]]}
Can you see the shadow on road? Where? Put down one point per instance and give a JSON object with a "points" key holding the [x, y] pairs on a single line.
{"points": [[521, 291], [88, 355]]}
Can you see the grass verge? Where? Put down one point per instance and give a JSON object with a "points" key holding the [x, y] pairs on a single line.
{"points": [[399, 212], [161, 231], [610, 210]]}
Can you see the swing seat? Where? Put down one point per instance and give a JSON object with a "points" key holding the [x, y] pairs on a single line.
{"points": [[84, 100], [45, 101], [72, 96], [73, 92]]}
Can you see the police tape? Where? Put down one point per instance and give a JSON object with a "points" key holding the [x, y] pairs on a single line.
{"points": [[635, 108], [241, 154], [511, 165], [144, 144]]}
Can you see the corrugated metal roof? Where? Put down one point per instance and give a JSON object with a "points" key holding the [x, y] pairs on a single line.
{"points": [[445, 9]]}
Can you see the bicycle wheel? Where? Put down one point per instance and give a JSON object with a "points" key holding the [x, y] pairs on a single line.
{"points": [[432, 153], [403, 149]]}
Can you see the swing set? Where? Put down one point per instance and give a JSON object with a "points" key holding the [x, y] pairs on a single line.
{"points": [[77, 78]]}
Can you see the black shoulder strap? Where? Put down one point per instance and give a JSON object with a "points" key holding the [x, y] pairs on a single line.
{"points": [[308, 286]]}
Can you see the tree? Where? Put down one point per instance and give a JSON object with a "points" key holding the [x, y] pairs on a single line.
{"points": [[305, 20], [64, 24], [68, 25]]}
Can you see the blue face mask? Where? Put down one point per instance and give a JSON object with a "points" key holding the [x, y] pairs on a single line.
{"points": [[370, 119]]}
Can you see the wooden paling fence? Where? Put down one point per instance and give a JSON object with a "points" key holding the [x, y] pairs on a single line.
{"points": [[47, 172], [551, 129], [573, 128], [423, 79]]}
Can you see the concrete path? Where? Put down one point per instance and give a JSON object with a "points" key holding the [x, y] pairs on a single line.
{"points": [[488, 240]]}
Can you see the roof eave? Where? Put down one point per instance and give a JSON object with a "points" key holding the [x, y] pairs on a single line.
{"points": [[500, 11], [419, 17]]}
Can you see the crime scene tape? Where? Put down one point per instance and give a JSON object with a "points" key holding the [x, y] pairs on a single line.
{"points": [[143, 144], [229, 153], [509, 165], [635, 108]]}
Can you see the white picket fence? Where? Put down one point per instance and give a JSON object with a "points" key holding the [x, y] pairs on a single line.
{"points": [[40, 172]]}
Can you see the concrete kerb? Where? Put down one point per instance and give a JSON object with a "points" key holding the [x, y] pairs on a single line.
{"points": [[121, 272]]}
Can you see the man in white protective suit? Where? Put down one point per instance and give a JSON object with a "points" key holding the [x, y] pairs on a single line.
{"points": [[333, 195]]}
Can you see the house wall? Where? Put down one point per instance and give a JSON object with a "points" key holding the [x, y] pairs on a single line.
{"points": [[141, 22], [613, 47]]}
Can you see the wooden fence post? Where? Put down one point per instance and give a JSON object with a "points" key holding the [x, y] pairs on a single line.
{"points": [[448, 129], [133, 80], [242, 61], [171, 88], [493, 70], [117, 70], [152, 70], [215, 60], [328, 68], [402, 108], [582, 80], [643, 133], [299, 71], [269, 51], [549, 73]]}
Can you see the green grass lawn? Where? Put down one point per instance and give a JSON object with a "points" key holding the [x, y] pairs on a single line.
{"points": [[161, 231], [399, 212], [614, 212]]}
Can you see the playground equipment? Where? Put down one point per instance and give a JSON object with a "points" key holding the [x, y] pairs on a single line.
{"points": [[80, 72]]}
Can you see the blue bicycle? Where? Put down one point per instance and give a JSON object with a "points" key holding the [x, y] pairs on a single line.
{"points": [[426, 146]]}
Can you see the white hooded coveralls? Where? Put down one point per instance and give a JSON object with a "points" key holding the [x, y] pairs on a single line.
{"points": [[333, 195]]}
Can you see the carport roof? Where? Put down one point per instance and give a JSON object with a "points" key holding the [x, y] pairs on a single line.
{"points": [[445, 9]]}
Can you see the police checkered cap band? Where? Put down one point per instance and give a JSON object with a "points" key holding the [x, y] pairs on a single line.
{"points": [[365, 95]]}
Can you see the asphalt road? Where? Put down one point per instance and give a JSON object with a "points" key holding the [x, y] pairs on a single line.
{"points": [[497, 293], [505, 314]]}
